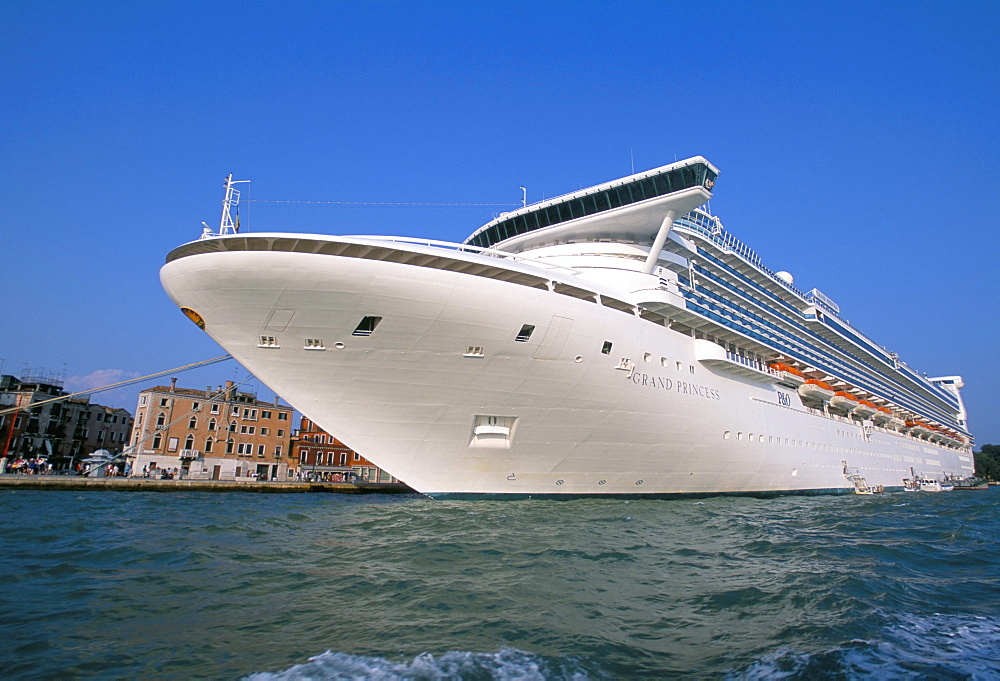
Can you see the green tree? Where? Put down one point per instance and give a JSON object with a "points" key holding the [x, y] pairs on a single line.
{"points": [[988, 462]]}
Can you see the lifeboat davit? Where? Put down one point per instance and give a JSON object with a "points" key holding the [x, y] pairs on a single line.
{"points": [[788, 375], [843, 400], [816, 390]]}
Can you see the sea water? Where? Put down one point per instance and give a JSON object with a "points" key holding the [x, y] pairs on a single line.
{"points": [[319, 586]]}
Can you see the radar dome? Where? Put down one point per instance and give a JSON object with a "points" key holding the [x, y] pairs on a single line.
{"points": [[785, 277]]}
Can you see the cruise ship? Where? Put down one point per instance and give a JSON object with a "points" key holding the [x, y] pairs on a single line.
{"points": [[613, 341]]}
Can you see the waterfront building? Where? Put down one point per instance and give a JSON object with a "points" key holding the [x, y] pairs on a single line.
{"points": [[225, 434], [62, 432], [320, 455]]}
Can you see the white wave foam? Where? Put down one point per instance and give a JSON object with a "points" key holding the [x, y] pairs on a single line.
{"points": [[937, 646], [507, 664]]}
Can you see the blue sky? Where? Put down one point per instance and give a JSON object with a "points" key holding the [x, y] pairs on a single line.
{"points": [[857, 143]]}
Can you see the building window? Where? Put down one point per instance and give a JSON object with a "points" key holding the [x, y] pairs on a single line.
{"points": [[277, 451], [229, 446], [212, 424], [260, 451], [343, 459], [282, 415], [143, 399], [208, 445], [281, 433], [263, 431], [164, 402], [172, 444], [265, 414], [161, 420], [215, 408], [193, 423], [189, 442], [157, 439], [302, 456]]}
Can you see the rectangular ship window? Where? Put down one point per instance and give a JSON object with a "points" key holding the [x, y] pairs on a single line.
{"points": [[474, 351], [367, 326], [606, 350], [314, 344], [268, 342], [525, 333]]}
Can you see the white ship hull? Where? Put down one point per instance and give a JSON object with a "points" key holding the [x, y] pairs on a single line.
{"points": [[661, 414]]}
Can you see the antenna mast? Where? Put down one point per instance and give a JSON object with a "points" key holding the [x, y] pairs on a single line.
{"points": [[226, 223]]}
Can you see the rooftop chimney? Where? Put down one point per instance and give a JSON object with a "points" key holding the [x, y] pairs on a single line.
{"points": [[173, 384]]}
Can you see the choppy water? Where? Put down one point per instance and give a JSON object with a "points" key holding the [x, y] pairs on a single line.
{"points": [[229, 586]]}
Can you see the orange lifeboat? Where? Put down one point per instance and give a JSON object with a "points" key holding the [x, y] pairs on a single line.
{"points": [[917, 428], [882, 415], [843, 400], [787, 374], [864, 409], [817, 390]]}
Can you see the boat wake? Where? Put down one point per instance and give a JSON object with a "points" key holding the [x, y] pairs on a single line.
{"points": [[938, 646], [509, 663]]}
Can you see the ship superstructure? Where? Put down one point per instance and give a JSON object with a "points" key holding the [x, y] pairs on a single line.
{"points": [[614, 340]]}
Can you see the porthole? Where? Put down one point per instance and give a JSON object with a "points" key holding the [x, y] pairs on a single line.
{"points": [[725, 435], [578, 359], [338, 345], [648, 357]]}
